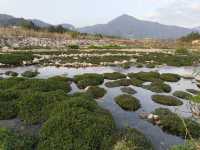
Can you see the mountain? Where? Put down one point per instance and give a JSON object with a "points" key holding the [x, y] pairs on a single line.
{"points": [[129, 27], [40, 23]]}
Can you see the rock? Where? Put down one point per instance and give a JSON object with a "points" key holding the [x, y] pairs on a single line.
{"points": [[150, 116]]}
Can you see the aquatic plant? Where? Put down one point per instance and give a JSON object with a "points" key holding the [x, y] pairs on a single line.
{"points": [[166, 100], [117, 83], [158, 87], [145, 76], [128, 102]]}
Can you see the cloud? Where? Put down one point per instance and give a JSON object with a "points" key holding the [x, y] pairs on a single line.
{"points": [[180, 12]]}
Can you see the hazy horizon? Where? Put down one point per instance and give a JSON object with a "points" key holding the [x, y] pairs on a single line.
{"points": [[89, 12]]}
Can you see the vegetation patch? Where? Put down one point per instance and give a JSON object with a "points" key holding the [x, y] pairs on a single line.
{"points": [[145, 76], [128, 90], [11, 73], [167, 100], [13, 141], [170, 77], [132, 139], [137, 82], [89, 79], [158, 87], [79, 124], [30, 74], [96, 92], [183, 95], [118, 83], [128, 102], [188, 145], [193, 91], [114, 76], [172, 123]]}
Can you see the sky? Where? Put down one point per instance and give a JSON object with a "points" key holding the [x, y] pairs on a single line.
{"points": [[81, 13]]}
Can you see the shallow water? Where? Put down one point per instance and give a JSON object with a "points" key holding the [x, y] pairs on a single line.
{"points": [[160, 139]]}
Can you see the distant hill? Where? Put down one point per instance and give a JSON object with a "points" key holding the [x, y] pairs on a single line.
{"points": [[40, 23], [130, 27], [68, 26]]}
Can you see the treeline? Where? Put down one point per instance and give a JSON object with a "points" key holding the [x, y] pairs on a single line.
{"points": [[191, 37]]}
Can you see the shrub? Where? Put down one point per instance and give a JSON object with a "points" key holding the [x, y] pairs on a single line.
{"points": [[128, 90], [183, 95], [193, 91], [173, 124], [170, 77], [30, 74], [117, 83], [145, 76], [88, 79], [131, 139], [13, 141], [8, 107], [167, 100], [128, 102], [114, 76], [11, 73], [96, 92], [75, 125], [158, 87]]}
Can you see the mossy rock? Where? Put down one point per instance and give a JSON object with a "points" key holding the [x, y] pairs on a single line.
{"points": [[158, 87], [170, 77], [118, 83], [11, 73], [174, 124], [193, 91], [131, 139], [128, 102], [10, 140], [167, 100], [96, 92], [79, 120], [88, 79], [145, 76], [183, 95], [114, 76], [128, 90], [30, 74]]}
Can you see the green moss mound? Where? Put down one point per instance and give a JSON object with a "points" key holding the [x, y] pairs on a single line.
{"points": [[128, 102], [145, 76], [158, 87], [137, 82], [13, 141], [35, 106], [8, 108], [30, 74], [183, 95], [132, 139], [96, 92], [118, 83], [170, 77], [77, 124], [193, 91], [128, 90], [114, 76], [172, 123], [89, 79], [167, 100], [11, 73]]}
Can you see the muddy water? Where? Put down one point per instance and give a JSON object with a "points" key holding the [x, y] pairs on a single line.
{"points": [[160, 139]]}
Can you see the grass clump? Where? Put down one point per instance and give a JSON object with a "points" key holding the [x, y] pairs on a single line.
{"points": [[183, 95], [96, 92], [114, 76], [167, 100], [145, 76], [30, 74], [170, 77], [188, 145], [158, 87], [88, 79], [128, 102], [13, 141], [128, 90], [193, 91], [118, 83], [11, 73], [137, 82], [79, 124], [172, 123], [131, 139]]}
